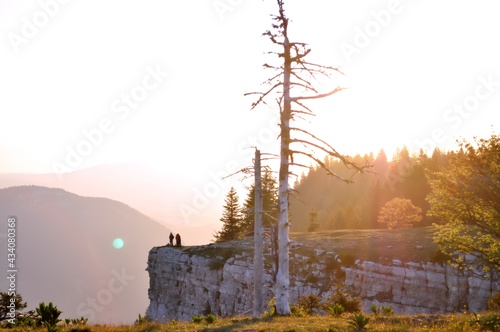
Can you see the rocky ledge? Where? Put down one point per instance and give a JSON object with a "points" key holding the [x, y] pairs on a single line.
{"points": [[218, 279]]}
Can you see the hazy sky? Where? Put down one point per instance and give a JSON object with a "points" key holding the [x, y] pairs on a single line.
{"points": [[162, 82]]}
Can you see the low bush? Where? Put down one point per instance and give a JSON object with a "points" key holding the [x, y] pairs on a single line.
{"points": [[380, 309], [387, 311], [210, 318], [49, 316], [337, 310], [297, 311], [359, 322], [342, 297], [375, 309], [309, 303], [487, 322]]}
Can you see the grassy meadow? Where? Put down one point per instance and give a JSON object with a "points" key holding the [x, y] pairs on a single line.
{"points": [[439, 323]]}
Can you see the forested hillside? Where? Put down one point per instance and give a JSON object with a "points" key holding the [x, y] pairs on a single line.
{"points": [[339, 205]]}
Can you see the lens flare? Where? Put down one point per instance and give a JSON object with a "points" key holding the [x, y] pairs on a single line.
{"points": [[117, 243]]}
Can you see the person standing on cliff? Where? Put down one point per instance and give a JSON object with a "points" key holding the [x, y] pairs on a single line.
{"points": [[177, 240], [171, 239]]}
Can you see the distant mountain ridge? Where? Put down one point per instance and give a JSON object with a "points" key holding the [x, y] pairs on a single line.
{"points": [[155, 193], [65, 252]]}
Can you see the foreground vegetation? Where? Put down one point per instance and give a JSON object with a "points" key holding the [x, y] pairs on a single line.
{"points": [[345, 322]]}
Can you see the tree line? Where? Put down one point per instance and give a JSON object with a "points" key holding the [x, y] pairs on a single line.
{"points": [[357, 205], [456, 191], [320, 202]]}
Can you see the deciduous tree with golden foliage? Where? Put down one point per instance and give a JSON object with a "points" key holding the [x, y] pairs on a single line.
{"points": [[465, 198], [399, 213]]}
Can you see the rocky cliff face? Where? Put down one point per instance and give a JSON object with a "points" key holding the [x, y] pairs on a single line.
{"points": [[218, 279]]}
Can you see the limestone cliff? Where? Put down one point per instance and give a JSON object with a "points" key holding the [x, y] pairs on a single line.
{"points": [[218, 279]]}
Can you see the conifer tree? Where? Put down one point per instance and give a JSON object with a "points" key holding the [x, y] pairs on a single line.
{"points": [[313, 220], [231, 218], [8, 301], [269, 203]]}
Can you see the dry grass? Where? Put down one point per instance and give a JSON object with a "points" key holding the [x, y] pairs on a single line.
{"points": [[417, 323], [376, 245]]}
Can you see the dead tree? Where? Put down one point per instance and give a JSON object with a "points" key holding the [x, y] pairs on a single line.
{"points": [[292, 74], [258, 297]]}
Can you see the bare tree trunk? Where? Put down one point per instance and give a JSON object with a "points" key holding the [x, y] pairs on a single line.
{"points": [[258, 295], [295, 72], [282, 277]]}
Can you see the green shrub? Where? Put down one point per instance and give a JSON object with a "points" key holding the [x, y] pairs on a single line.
{"points": [[49, 316], [345, 299], [83, 321], [387, 311], [272, 308], [296, 311], [210, 318], [337, 310], [359, 322], [380, 309], [309, 303], [28, 319], [140, 320], [487, 322], [197, 319], [375, 309]]}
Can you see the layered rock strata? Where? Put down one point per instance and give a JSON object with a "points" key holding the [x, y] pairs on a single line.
{"points": [[218, 279]]}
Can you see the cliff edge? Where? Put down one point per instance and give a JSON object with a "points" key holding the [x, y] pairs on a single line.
{"points": [[218, 279]]}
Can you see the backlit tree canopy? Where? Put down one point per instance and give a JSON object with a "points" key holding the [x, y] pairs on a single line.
{"points": [[465, 198], [399, 213]]}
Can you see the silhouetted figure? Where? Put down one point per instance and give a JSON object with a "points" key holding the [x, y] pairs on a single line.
{"points": [[177, 240], [171, 238]]}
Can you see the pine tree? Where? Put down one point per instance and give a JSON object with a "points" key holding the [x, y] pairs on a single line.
{"points": [[269, 204], [231, 218], [313, 220], [8, 301]]}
